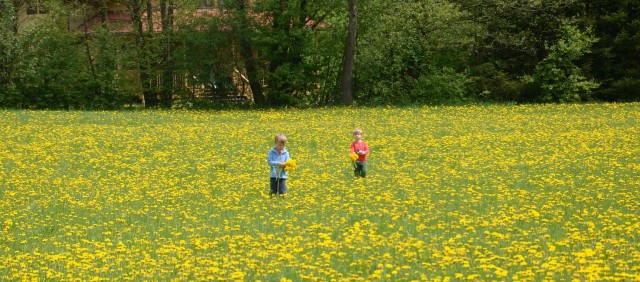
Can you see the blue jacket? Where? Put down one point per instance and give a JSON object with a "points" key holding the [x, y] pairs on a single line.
{"points": [[274, 158]]}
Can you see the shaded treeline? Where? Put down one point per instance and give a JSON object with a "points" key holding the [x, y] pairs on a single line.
{"points": [[182, 53]]}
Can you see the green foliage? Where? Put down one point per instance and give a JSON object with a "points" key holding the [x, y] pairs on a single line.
{"points": [[493, 83], [514, 43], [10, 55], [205, 55], [287, 47], [434, 52], [624, 89], [42, 67], [558, 75], [58, 77], [109, 86], [442, 86], [47, 66], [326, 60], [617, 53], [397, 55]]}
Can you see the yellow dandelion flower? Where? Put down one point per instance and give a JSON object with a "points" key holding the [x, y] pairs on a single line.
{"points": [[501, 272], [290, 165]]}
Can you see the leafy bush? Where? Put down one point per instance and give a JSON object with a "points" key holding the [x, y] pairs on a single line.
{"points": [[444, 86], [558, 76]]}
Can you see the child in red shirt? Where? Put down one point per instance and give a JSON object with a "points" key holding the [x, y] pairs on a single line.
{"points": [[359, 147]]}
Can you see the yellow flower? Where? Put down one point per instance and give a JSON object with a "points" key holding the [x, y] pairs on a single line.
{"points": [[353, 156], [290, 165], [501, 272]]}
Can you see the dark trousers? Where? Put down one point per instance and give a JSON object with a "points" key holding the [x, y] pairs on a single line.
{"points": [[278, 185], [360, 169]]}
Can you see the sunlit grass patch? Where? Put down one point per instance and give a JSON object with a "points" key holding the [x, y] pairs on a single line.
{"points": [[544, 192]]}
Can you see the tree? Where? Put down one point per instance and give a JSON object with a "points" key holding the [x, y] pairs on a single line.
{"points": [[616, 24], [103, 89], [404, 44], [349, 55], [154, 45], [167, 61], [10, 51], [286, 45], [558, 76], [243, 32], [515, 42]]}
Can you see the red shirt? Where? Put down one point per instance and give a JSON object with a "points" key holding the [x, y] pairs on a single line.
{"points": [[360, 146]]}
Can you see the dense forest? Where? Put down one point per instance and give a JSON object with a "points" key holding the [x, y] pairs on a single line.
{"points": [[185, 53]]}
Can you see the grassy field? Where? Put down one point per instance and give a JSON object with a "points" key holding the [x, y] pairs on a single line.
{"points": [[474, 193]]}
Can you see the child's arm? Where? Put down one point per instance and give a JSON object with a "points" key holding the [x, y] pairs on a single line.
{"points": [[272, 159], [365, 150]]}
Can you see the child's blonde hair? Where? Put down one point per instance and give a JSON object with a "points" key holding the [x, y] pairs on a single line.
{"points": [[358, 130], [280, 137]]}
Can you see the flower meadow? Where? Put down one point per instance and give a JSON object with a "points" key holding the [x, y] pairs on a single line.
{"points": [[469, 193]]}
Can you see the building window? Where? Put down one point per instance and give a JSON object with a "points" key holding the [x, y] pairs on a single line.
{"points": [[36, 7]]}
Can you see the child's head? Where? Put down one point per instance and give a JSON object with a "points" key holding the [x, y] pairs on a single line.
{"points": [[280, 141], [357, 134]]}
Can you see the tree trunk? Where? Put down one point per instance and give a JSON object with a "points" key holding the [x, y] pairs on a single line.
{"points": [[246, 51], [149, 18], [103, 13], [87, 49], [349, 56], [8, 43], [17, 4], [144, 68], [279, 56], [252, 73], [166, 92]]}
